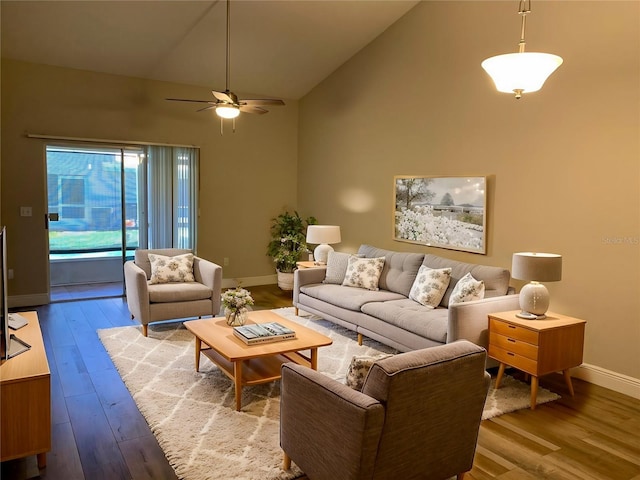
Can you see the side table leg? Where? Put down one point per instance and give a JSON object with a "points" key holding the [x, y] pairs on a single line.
{"points": [[42, 460], [534, 391], [314, 358], [237, 378], [500, 375], [567, 379], [198, 347]]}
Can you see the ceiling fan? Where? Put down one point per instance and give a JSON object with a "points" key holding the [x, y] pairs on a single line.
{"points": [[227, 104]]}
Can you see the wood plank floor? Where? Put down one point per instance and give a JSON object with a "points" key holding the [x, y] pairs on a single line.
{"points": [[98, 432]]}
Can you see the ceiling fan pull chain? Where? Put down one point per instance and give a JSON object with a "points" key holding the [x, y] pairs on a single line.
{"points": [[233, 124]]}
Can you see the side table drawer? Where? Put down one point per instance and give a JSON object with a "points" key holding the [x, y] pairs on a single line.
{"points": [[514, 331], [513, 359], [514, 345]]}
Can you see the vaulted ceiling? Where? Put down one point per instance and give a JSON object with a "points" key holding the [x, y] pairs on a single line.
{"points": [[278, 48]]}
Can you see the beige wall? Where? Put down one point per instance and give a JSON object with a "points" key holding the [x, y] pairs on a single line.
{"points": [[563, 164], [247, 178]]}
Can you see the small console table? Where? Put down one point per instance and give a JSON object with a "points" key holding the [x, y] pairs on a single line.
{"points": [[536, 347], [25, 398]]}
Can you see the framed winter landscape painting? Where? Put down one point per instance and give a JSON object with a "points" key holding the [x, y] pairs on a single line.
{"points": [[445, 212]]}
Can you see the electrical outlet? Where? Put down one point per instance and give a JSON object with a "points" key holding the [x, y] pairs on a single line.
{"points": [[226, 262], [25, 211], [10, 274]]}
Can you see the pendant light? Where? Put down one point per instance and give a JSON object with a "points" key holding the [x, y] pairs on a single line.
{"points": [[521, 72]]}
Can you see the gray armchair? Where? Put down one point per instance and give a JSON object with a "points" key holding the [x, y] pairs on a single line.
{"points": [[417, 417], [154, 302]]}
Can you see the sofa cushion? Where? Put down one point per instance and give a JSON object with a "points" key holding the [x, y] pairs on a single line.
{"points": [[467, 289], [430, 285], [400, 268], [350, 298], [411, 316], [178, 292], [496, 279], [337, 263], [363, 272], [176, 269]]}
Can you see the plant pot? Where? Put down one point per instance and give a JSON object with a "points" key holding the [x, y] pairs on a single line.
{"points": [[285, 280]]}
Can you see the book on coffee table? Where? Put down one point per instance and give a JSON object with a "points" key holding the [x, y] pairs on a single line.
{"points": [[263, 333]]}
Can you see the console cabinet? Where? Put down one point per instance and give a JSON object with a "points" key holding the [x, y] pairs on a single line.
{"points": [[25, 398]]}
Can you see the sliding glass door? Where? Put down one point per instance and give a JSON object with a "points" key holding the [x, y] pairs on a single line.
{"points": [[104, 202]]}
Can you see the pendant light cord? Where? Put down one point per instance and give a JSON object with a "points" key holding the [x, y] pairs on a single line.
{"points": [[523, 9], [228, 44]]}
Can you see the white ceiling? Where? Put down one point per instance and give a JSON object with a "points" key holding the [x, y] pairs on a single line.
{"points": [[278, 48]]}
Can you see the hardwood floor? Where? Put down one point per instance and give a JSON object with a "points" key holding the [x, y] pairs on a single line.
{"points": [[98, 432]]}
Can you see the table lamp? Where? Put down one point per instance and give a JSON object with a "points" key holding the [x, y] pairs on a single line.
{"points": [[323, 235], [535, 268]]}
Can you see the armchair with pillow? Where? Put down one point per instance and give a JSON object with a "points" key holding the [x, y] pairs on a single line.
{"points": [[164, 284], [417, 416]]}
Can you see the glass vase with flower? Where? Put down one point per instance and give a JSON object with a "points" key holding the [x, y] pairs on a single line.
{"points": [[236, 302]]}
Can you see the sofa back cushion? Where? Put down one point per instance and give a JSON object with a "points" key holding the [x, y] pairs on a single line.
{"points": [[496, 279], [142, 257], [399, 271]]}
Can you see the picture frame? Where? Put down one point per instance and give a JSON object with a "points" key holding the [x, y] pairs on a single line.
{"points": [[442, 212]]}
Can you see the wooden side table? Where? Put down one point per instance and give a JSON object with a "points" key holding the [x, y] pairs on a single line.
{"points": [[309, 265], [25, 398], [537, 347]]}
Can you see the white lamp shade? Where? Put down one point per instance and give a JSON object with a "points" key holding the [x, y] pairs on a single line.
{"points": [[227, 111], [317, 234], [524, 71], [540, 267]]}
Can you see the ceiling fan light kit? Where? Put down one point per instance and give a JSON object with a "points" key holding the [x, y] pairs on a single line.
{"points": [[227, 104], [521, 72]]}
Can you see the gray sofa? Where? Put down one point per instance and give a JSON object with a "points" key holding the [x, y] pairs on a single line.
{"points": [[390, 316]]}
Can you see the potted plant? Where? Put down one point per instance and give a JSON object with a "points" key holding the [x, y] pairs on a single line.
{"points": [[288, 242]]}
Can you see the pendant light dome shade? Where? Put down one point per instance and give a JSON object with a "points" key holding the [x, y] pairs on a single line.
{"points": [[523, 72]]}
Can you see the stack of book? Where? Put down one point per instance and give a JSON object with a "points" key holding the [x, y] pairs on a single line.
{"points": [[263, 333]]}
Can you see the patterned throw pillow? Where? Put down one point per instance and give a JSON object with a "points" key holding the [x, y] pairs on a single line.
{"points": [[171, 269], [430, 286], [359, 369], [363, 272], [467, 289]]}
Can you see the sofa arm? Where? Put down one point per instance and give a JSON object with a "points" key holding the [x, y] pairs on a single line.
{"points": [[328, 429], [306, 276], [137, 292], [209, 274], [469, 320]]}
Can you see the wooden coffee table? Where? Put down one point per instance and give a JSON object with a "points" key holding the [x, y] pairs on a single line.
{"points": [[253, 364]]}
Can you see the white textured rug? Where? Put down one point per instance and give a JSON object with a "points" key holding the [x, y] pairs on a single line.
{"points": [[193, 413]]}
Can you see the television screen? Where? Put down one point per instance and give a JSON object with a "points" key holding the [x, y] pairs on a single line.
{"points": [[4, 346], [10, 345]]}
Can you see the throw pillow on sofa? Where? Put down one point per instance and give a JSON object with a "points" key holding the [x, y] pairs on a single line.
{"points": [[363, 272], [359, 369], [337, 264], [430, 286], [171, 269], [467, 289]]}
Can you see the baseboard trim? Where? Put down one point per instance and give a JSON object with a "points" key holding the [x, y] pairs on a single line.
{"points": [[16, 301], [608, 379], [250, 281]]}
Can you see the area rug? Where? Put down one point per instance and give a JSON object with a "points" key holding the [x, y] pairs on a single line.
{"points": [[193, 414]]}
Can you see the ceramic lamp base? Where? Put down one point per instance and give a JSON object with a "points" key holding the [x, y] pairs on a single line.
{"points": [[534, 301], [321, 253]]}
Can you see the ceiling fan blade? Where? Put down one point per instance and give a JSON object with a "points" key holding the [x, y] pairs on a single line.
{"points": [[206, 108], [252, 109], [223, 96], [262, 101], [186, 100]]}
